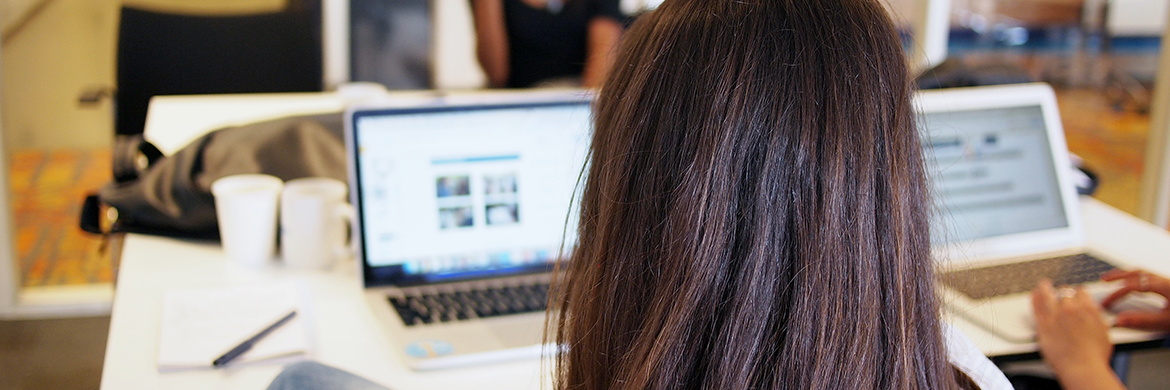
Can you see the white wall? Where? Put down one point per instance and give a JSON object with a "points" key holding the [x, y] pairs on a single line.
{"points": [[1137, 17], [12, 11]]}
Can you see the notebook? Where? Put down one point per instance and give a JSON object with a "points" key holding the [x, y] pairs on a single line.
{"points": [[1006, 211], [462, 210], [200, 325]]}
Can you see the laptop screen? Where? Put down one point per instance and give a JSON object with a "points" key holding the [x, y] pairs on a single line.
{"points": [[992, 173], [454, 193]]}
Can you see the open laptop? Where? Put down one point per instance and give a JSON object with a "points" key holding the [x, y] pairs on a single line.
{"points": [[1006, 210], [462, 210]]}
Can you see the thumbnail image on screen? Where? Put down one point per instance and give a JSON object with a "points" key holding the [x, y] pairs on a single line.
{"points": [[500, 198], [453, 196]]}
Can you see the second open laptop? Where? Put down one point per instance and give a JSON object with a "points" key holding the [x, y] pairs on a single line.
{"points": [[462, 210], [1007, 213]]}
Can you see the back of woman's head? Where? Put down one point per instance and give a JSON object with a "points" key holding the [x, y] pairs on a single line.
{"points": [[755, 213]]}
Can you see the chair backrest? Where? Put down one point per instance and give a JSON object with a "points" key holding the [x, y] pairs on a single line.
{"points": [[174, 54]]}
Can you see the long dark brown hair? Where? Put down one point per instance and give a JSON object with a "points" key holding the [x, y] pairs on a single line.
{"points": [[755, 210]]}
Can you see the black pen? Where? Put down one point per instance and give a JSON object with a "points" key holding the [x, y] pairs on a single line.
{"points": [[247, 344]]}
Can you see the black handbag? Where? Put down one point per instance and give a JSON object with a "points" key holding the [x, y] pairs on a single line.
{"points": [[171, 196]]}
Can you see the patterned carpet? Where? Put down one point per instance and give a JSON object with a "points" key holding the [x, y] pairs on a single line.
{"points": [[47, 191]]}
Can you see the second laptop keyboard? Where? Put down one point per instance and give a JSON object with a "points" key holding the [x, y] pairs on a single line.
{"points": [[1020, 277], [429, 308]]}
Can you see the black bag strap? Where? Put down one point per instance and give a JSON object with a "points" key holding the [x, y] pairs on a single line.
{"points": [[133, 155], [92, 214], [91, 219]]}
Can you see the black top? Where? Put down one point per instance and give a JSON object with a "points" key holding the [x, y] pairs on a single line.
{"points": [[545, 45]]}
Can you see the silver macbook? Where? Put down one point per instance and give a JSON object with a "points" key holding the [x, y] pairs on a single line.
{"points": [[1006, 211], [462, 210]]}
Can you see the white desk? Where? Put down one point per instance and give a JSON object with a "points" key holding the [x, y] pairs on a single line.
{"points": [[174, 121], [344, 330]]}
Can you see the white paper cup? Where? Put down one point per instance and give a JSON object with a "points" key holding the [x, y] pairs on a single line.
{"points": [[360, 91], [313, 218], [246, 208]]}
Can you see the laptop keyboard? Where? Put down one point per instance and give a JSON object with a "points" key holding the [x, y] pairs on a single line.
{"points": [[1014, 278], [430, 308]]}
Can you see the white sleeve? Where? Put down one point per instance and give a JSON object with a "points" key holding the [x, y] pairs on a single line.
{"points": [[967, 358]]}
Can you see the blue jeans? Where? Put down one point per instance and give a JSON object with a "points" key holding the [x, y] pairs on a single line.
{"points": [[313, 376]]}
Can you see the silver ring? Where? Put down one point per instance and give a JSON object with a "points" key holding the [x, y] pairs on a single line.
{"points": [[1065, 292], [1144, 281]]}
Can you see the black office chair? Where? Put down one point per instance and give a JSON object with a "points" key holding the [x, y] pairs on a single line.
{"points": [[177, 54]]}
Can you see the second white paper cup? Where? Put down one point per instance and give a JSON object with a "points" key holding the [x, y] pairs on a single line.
{"points": [[246, 206], [313, 218]]}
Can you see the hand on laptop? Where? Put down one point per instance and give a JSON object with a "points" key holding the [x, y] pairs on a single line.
{"points": [[1139, 281], [1073, 338]]}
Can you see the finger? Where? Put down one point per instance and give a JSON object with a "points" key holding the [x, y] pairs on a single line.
{"points": [[1147, 282], [1084, 298], [1116, 296], [1115, 274], [1043, 299], [1133, 282], [1159, 285], [1144, 320], [1066, 299]]}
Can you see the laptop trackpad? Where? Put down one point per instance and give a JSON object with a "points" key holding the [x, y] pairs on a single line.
{"points": [[518, 330]]}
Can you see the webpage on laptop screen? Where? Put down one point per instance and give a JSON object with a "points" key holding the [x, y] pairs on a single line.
{"points": [[992, 173], [473, 190]]}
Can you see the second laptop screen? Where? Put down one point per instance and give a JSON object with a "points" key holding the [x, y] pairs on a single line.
{"points": [[992, 173]]}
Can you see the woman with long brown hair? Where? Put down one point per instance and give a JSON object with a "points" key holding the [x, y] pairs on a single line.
{"points": [[755, 211], [754, 214]]}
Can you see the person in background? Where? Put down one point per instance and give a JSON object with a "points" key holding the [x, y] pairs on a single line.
{"points": [[530, 43], [1073, 338]]}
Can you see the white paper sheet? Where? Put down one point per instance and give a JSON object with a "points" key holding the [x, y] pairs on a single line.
{"points": [[200, 325]]}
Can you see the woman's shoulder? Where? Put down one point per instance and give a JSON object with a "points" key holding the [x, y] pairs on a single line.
{"points": [[964, 355]]}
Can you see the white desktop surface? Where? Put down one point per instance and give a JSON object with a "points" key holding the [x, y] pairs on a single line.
{"points": [[174, 121], [342, 327]]}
